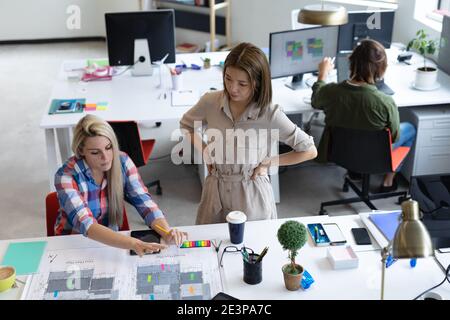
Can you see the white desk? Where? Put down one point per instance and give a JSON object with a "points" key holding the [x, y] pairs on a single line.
{"points": [[402, 281], [137, 98]]}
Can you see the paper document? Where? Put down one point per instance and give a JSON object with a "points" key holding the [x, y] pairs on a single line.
{"points": [[185, 97], [387, 223], [25, 257]]}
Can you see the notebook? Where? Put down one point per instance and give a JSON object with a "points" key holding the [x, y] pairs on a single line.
{"points": [[387, 223], [184, 97], [25, 257]]}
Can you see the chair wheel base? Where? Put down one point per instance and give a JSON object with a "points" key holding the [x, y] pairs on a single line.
{"points": [[345, 187]]}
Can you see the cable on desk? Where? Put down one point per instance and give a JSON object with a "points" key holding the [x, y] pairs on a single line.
{"points": [[126, 69], [447, 271]]}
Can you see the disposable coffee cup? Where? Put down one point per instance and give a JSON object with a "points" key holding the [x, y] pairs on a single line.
{"points": [[177, 82], [236, 223]]}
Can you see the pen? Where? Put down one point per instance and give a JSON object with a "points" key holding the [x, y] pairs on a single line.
{"points": [[316, 233], [263, 253], [162, 229], [332, 59]]}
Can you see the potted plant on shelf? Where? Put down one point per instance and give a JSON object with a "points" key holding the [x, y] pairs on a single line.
{"points": [[425, 76], [292, 237]]}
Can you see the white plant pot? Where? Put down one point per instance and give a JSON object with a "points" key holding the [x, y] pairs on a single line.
{"points": [[425, 80]]}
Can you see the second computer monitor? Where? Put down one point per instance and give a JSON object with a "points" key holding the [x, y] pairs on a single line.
{"points": [[296, 52], [157, 27], [376, 25]]}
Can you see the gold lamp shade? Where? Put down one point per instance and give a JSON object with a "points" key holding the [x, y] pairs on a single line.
{"points": [[323, 14], [411, 240]]}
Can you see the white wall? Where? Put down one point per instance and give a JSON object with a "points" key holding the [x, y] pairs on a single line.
{"points": [[405, 26], [252, 20], [46, 19]]}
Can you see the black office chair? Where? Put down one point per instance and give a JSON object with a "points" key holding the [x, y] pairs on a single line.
{"points": [[129, 139], [365, 152]]}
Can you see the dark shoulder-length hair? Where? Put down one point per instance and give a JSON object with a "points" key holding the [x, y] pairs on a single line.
{"points": [[253, 61], [368, 61]]}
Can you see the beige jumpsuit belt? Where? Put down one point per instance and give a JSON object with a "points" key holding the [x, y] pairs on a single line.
{"points": [[211, 209]]}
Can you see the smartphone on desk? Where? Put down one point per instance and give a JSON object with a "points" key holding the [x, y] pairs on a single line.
{"points": [[146, 236], [318, 234], [361, 236]]}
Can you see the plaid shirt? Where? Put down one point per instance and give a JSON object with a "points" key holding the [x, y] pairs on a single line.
{"points": [[83, 202]]}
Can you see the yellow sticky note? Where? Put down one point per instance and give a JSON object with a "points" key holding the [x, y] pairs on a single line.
{"points": [[102, 108]]}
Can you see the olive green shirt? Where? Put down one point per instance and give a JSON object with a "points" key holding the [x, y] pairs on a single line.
{"points": [[355, 107]]}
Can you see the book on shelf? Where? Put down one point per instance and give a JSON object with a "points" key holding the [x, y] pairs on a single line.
{"points": [[187, 48], [62, 106]]}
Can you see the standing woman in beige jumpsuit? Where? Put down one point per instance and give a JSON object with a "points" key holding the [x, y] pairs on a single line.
{"points": [[244, 104]]}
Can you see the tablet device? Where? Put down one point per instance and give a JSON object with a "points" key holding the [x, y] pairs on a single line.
{"points": [[146, 236], [334, 233]]}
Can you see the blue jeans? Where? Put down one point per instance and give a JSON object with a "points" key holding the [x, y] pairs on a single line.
{"points": [[406, 139]]}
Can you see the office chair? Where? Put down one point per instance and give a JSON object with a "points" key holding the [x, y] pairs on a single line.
{"points": [[366, 152], [52, 211], [129, 138]]}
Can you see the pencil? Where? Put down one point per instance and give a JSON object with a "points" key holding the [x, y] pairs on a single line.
{"points": [[162, 229]]}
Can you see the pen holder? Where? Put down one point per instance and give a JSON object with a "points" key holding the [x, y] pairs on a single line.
{"points": [[252, 269], [177, 82]]}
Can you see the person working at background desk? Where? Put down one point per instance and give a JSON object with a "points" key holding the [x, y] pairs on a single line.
{"points": [[357, 104], [91, 187], [245, 105]]}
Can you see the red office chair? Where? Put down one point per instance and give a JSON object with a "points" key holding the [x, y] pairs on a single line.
{"points": [[52, 211], [366, 152], [129, 138]]}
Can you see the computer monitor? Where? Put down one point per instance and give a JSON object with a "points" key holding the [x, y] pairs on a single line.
{"points": [[296, 52], [376, 25], [444, 47], [137, 38]]}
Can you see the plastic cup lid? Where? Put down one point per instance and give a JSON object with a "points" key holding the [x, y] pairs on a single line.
{"points": [[236, 217]]}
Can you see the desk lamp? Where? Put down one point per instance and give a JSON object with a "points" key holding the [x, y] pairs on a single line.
{"points": [[411, 239], [323, 14]]}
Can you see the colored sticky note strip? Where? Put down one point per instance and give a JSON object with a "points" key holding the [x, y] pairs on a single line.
{"points": [[101, 108], [149, 278], [102, 103], [25, 257]]}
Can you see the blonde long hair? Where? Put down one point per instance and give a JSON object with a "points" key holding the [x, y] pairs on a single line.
{"points": [[92, 126]]}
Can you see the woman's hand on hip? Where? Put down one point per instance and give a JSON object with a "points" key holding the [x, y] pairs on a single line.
{"points": [[260, 170]]}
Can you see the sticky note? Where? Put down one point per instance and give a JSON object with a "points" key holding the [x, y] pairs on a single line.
{"points": [[102, 103], [25, 257], [192, 276], [149, 278], [101, 108]]}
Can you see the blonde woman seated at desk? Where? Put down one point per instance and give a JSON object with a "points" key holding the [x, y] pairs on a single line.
{"points": [[244, 105], [91, 188]]}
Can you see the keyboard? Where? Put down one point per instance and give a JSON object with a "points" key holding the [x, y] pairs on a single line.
{"points": [[383, 87]]}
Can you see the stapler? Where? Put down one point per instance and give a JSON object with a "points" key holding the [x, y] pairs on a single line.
{"points": [[404, 57]]}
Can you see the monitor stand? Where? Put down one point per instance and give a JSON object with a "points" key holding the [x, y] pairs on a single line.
{"points": [[297, 82], [143, 65]]}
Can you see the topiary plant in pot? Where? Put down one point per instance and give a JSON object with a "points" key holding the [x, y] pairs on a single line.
{"points": [[425, 76], [292, 237]]}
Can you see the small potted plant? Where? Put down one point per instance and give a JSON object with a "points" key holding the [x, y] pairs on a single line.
{"points": [[292, 237], [425, 76]]}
